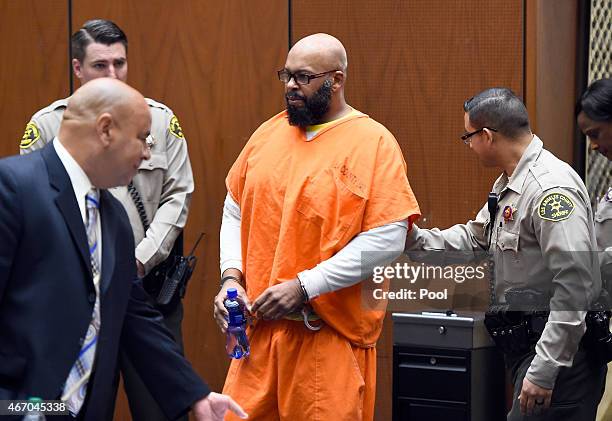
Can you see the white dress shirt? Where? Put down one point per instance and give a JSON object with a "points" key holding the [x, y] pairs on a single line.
{"points": [[80, 186]]}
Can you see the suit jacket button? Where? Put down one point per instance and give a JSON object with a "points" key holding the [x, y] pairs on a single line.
{"points": [[92, 297]]}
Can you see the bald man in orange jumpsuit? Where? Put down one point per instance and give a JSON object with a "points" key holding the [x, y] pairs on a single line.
{"points": [[314, 187]]}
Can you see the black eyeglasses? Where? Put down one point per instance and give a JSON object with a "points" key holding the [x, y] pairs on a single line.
{"points": [[466, 136], [285, 76]]}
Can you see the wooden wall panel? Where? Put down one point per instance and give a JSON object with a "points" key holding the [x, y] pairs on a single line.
{"points": [[551, 29], [412, 64], [214, 64], [34, 68], [411, 67]]}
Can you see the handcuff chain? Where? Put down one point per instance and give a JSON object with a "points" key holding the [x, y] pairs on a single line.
{"points": [[305, 314]]}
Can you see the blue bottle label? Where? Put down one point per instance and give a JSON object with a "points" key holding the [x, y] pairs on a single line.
{"points": [[235, 313]]}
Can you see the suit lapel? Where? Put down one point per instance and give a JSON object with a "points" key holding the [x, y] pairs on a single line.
{"points": [[109, 227], [66, 202]]}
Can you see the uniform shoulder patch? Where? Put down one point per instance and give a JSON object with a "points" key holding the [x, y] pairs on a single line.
{"points": [[555, 207], [30, 136], [175, 128]]}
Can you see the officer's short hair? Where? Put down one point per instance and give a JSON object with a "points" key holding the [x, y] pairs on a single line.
{"points": [[596, 101], [499, 109], [97, 30]]}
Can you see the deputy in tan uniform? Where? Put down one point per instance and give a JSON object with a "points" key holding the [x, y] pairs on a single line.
{"points": [[594, 117], [543, 216], [603, 231], [163, 184], [595, 121]]}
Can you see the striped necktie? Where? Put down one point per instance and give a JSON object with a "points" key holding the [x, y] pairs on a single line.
{"points": [[76, 384]]}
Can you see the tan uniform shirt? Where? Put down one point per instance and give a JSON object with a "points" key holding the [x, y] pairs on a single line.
{"points": [[165, 182], [550, 218], [603, 231]]}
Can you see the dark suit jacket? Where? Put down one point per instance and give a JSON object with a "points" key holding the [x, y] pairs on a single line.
{"points": [[47, 295]]}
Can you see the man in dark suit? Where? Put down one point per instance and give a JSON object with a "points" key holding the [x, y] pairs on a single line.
{"points": [[69, 295]]}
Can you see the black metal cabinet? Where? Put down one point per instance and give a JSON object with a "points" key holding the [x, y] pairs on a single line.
{"points": [[444, 368]]}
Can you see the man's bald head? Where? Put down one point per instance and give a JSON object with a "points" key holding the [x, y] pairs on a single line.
{"points": [[105, 128], [321, 50], [102, 95]]}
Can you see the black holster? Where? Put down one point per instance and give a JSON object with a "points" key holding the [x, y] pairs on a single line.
{"points": [[517, 325], [514, 332], [154, 281], [598, 339]]}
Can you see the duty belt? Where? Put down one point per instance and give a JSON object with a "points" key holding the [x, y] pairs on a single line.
{"points": [[515, 332]]}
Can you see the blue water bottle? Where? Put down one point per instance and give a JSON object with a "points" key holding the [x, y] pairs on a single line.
{"points": [[237, 343]]}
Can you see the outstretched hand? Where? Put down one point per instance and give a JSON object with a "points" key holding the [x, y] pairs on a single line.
{"points": [[214, 406]]}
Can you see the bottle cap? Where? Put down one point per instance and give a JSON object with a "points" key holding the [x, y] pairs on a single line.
{"points": [[232, 293]]}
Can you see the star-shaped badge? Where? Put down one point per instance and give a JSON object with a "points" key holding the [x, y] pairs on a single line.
{"points": [[509, 212]]}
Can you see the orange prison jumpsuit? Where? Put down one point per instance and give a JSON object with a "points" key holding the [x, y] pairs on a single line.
{"points": [[301, 202]]}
